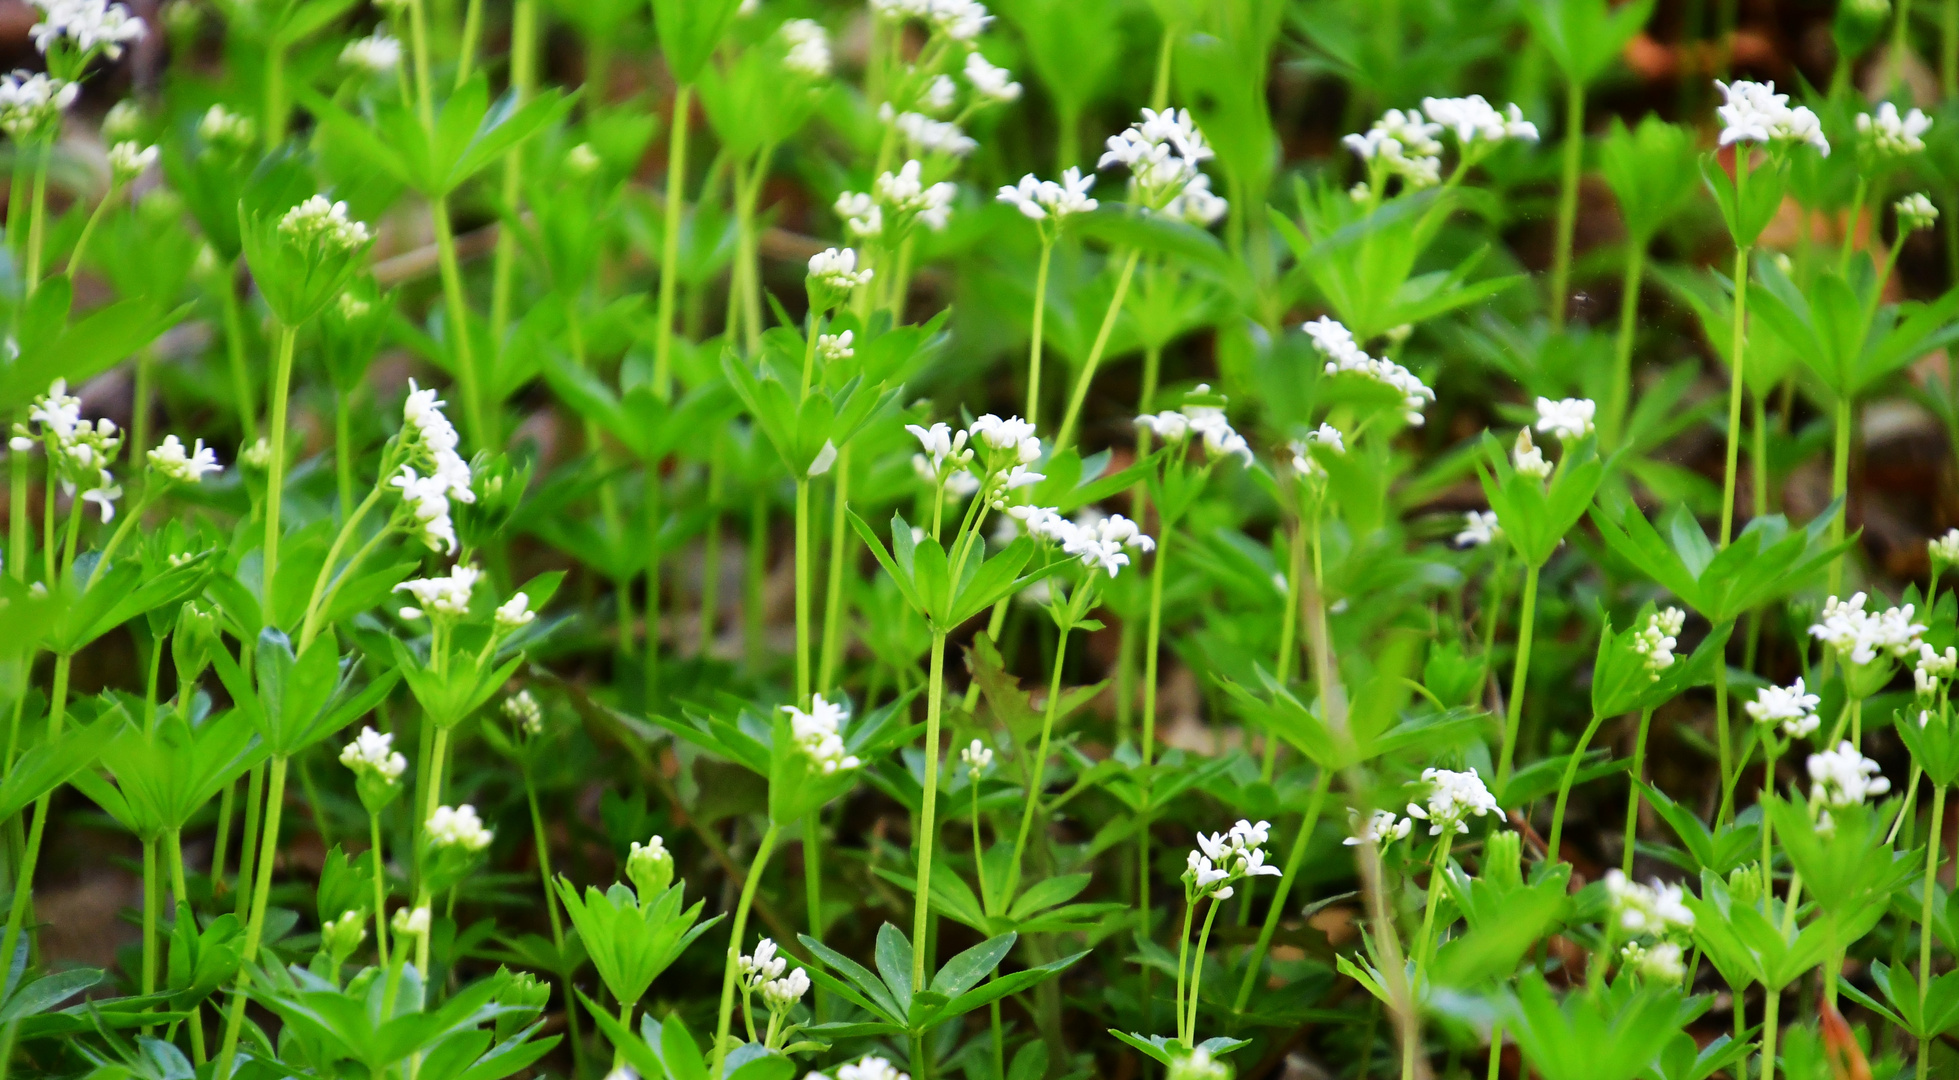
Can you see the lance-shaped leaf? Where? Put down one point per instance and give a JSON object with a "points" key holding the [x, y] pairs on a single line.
{"points": [[632, 940], [298, 700], [163, 777], [1765, 561], [1536, 516], [470, 135]]}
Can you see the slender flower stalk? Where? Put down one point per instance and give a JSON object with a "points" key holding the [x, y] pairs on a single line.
{"points": [[1737, 358], [928, 825], [1573, 163], [1519, 676], [1095, 351], [736, 931], [670, 241]]}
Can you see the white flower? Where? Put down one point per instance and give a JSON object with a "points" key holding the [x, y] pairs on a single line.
{"points": [[809, 48], [1331, 438], [1404, 144], [1569, 419], [1528, 459], [514, 612], [130, 159], [1161, 151], [1475, 120], [321, 222], [1452, 798], [1198, 1065], [222, 128], [1043, 199], [762, 965], [836, 268], [31, 101], [870, 1068], [1756, 113], [978, 758], [412, 923], [1171, 427], [458, 827], [1479, 527], [447, 597], [960, 20], [834, 347], [1945, 549], [523, 710], [377, 54], [90, 24], [1892, 135], [1661, 962], [1844, 776], [1657, 910], [1197, 205], [993, 83], [818, 733], [779, 994], [427, 498], [1793, 706], [860, 213], [1860, 636], [1336, 343], [174, 461], [1915, 213], [906, 195], [1656, 640], [934, 136], [373, 751], [1382, 827], [104, 495], [1933, 667], [1011, 434]]}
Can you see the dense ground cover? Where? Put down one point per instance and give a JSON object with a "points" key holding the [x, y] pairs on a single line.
{"points": [[772, 538]]}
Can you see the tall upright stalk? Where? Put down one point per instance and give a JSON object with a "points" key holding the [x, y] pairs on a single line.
{"points": [[1632, 790], [1037, 768], [670, 242], [736, 936], [1564, 787], [1845, 419], [275, 480], [255, 924], [457, 308], [234, 344], [1034, 345], [835, 614], [1614, 424], [1087, 376], [1925, 920], [928, 825], [1574, 159], [1151, 646], [1519, 677], [803, 690], [1737, 352], [1295, 858], [523, 82]]}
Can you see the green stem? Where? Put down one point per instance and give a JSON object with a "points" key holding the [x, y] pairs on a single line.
{"points": [[248, 840], [543, 845], [670, 242], [1723, 739], [1737, 353], [380, 871], [1925, 920], [88, 231], [457, 329], [655, 510], [1574, 159], [1087, 376], [625, 1007], [152, 897], [1425, 945], [1152, 638], [928, 825], [710, 618], [255, 924], [1038, 768], [1840, 489], [180, 908], [472, 31], [438, 750], [1519, 675], [754, 577], [17, 519], [813, 872], [37, 213], [1034, 345], [834, 615], [1288, 643], [523, 79], [1197, 972], [1615, 413], [1771, 1003], [275, 482], [1632, 791], [343, 453], [735, 939], [234, 341], [803, 688], [1295, 858], [1564, 787]]}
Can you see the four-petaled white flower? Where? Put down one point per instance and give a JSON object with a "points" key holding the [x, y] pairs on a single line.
{"points": [[836, 268], [1474, 120], [1335, 342], [1569, 419], [1479, 527], [1452, 798], [1844, 776], [1381, 827], [1041, 200], [373, 752], [1756, 113], [1658, 910], [89, 24], [185, 465], [1892, 135], [978, 758], [1792, 706], [990, 82], [818, 733], [130, 159]]}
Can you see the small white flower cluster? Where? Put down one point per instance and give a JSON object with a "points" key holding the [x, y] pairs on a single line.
{"points": [[1655, 641], [444, 597], [779, 994], [1220, 439], [322, 223], [1402, 143], [834, 347], [523, 710], [944, 460], [926, 135], [960, 20], [1041, 200], [977, 758], [1327, 436], [130, 159], [904, 195], [1197, 204], [1915, 213], [377, 54], [458, 827], [1452, 798], [1335, 342], [1844, 776], [1944, 550], [1933, 670], [90, 24], [514, 613], [761, 965], [1479, 527], [1792, 706], [1012, 439], [1197, 1065], [1162, 152], [373, 752], [818, 733], [991, 81], [432, 442], [1475, 121], [181, 464], [1655, 910], [808, 48], [1569, 419], [80, 452], [1100, 542], [1225, 857], [1756, 113], [226, 130], [870, 1068], [1888, 134], [836, 268], [1664, 962], [32, 101], [1527, 458], [1381, 828], [1859, 636]]}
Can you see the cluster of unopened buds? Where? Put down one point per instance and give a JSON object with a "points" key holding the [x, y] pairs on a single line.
{"points": [[1656, 640], [977, 758], [458, 827], [445, 597], [320, 223], [523, 710], [373, 752], [1656, 910], [1888, 134], [1326, 437], [1225, 857]]}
